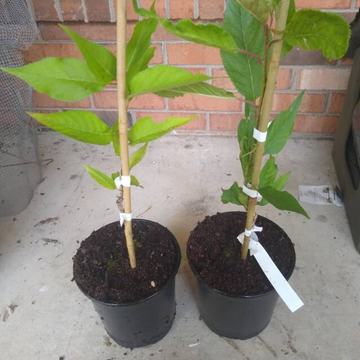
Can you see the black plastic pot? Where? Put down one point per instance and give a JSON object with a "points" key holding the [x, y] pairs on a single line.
{"points": [[235, 316], [144, 322]]}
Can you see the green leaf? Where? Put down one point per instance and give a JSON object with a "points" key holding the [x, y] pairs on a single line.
{"points": [[143, 12], [80, 125], [146, 129], [140, 42], [163, 77], [281, 128], [279, 184], [260, 9], [234, 195], [62, 79], [138, 155], [282, 200], [100, 60], [204, 34], [246, 140], [197, 89], [101, 178], [141, 65], [268, 173], [245, 71], [317, 30], [116, 138], [135, 181]]}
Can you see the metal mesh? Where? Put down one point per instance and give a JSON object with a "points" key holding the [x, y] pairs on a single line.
{"points": [[19, 162]]}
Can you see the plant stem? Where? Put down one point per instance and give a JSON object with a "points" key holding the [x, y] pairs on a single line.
{"points": [[274, 65], [123, 122]]}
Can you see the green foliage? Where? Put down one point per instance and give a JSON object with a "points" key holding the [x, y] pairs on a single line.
{"points": [[260, 9], [80, 125], [281, 128], [146, 129], [282, 200], [62, 79], [234, 195], [138, 52], [279, 184], [137, 156], [245, 72], [169, 81], [246, 140], [99, 59], [116, 138], [317, 30], [100, 178], [268, 173]]}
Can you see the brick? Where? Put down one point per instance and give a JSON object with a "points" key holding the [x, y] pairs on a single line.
{"points": [[192, 54], [311, 103], [107, 116], [224, 122], [45, 101], [298, 56], [323, 79], [336, 103], [72, 10], [197, 124], [316, 124], [181, 9], [211, 9], [162, 35], [98, 10], [323, 4], [223, 81], [108, 100], [39, 51], [196, 103], [45, 10], [346, 61]]}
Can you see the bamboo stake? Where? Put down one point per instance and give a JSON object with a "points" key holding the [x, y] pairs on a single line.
{"points": [[123, 122], [281, 19]]}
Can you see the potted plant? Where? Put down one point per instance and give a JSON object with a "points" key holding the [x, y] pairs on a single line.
{"points": [[129, 275], [236, 291]]}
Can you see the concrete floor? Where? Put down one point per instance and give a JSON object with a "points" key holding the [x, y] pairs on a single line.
{"points": [[53, 320]]}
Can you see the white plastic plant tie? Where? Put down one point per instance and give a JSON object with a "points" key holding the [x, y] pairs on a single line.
{"points": [[260, 136], [251, 193], [122, 181], [280, 284], [124, 217], [254, 229]]}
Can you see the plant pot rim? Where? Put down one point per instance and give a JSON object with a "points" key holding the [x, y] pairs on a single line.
{"points": [[236, 296], [168, 283]]}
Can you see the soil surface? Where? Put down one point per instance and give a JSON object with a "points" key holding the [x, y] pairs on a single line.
{"points": [[215, 254], [102, 269]]}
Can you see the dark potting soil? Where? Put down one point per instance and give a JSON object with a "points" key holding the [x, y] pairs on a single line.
{"points": [[215, 254], [102, 269]]}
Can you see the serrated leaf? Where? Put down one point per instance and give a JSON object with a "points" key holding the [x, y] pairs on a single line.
{"points": [[116, 138], [137, 156], [281, 128], [282, 200], [80, 125], [162, 78], [279, 184], [268, 173], [100, 60], [140, 42], [245, 71], [260, 9], [197, 89], [204, 34], [145, 13], [146, 129], [235, 196], [100, 177], [62, 79], [141, 65], [317, 30]]}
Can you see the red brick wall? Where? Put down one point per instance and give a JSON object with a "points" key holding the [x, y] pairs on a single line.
{"points": [[95, 19]]}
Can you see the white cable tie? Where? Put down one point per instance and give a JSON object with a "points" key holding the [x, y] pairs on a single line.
{"points": [[254, 229], [251, 193], [259, 136], [280, 284], [124, 217], [122, 181]]}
